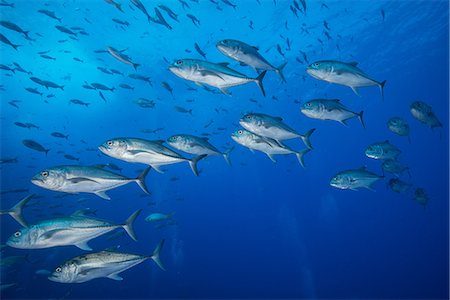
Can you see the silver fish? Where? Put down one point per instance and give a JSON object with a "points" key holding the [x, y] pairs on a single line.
{"points": [[424, 113], [104, 264], [355, 179], [122, 57], [152, 153], [218, 75], [399, 126], [330, 109], [394, 167], [85, 179], [382, 150], [399, 186]]}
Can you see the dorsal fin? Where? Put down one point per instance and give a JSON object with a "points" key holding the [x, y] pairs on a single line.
{"points": [[256, 48], [79, 213], [278, 118], [225, 64], [353, 63]]}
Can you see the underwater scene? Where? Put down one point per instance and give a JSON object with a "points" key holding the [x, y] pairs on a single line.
{"points": [[224, 149]]}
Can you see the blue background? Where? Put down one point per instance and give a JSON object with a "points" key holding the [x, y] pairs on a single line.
{"points": [[257, 229]]}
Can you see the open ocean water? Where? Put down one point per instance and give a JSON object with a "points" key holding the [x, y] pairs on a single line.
{"points": [[92, 73]]}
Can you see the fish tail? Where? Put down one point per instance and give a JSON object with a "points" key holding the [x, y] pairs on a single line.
{"points": [[62, 87], [140, 180], [300, 155], [59, 19], [16, 46], [360, 117], [226, 155], [155, 255], [46, 151], [128, 226], [193, 163], [135, 66], [279, 71], [259, 82], [305, 138], [16, 210], [382, 89], [26, 33]]}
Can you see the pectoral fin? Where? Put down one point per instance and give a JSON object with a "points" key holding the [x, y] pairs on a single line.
{"points": [[115, 277], [103, 195], [355, 90], [51, 233], [271, 157], [84, 246], [81, 179]]}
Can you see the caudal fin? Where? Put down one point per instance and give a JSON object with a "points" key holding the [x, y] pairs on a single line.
{"points": [[226, 155], [279, 71], [305, 138], [140, 180], [128, 226], [16, 211], [135, 66], [193, 163], [360, 117], [382, 89], [259, 82], [300, 155], [16, 46], [155, 255]]}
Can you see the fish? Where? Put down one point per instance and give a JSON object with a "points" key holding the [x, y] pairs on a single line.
{"points": [[145, 103], [156, 217], [274, 128], [115, 4], [343, 73], [71, 157], [35, 146], [421, 197], [399, 126], [330, 109], [16, 211], [382, 150], [197, 47], [229, 4], [114, 71], [167, 87], [398, 185], [34, 91], [183, 110], [12, 5], [184, 5], [104, 70], [248, 55], [46, 83], [12, 260], [8, 160], [218, 75], [125, 23], [65, 30], [104, 264], [77, 230], [197, 145], [140, 77], [5, 40], [59, 135], [266, 145], [6, 68], [12, 103], [48, 57], [50, 14], [394, 167], [14, 27], [99, 86], [355, 179], [101, 95], [193, 19], [141, 7], [171, 14], [85, 179], [79, 102], [160, 19], [424, 114], [152, 153], [122, 57], [77, 59]]}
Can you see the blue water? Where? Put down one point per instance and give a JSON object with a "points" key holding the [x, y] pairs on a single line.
{"points": [[257, 229]]}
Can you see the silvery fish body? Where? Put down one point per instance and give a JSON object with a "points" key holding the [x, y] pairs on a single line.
{"points": [[342, 73], [424, 113], [394, 167], [266, 145], [104, 264], [399, 186], [218, 75], [152, 153], [84, 179], [355, 179], [329, 109], [272, 127], [398, 126], [382, 150]]}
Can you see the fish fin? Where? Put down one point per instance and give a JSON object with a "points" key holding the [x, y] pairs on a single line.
{"points": [[114, 276], [84, 246], [278, 118], [355, 90], [353, 63], [300, 155], [16, 210], [193, 163], [256, 48], [224, 64], [343, 122], [140, 180], [135, 66], [225, 91], [279, 71], [79, 213], [51, 233], [360, 117], [251, 150], [370, 188], [103, 195], [80, 179], [259, 82], [226, 155], [271, 157], [128, 226], [136, 151], [155, 255], [305, 138], [211, 73], [382, 89], [157, 168]]}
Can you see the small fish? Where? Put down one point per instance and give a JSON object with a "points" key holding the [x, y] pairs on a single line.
{"points": [[197, 47], [355, 179], [46, 83], [104, 264], [330, 109], [65, 30], [181, 109], [59, 135], [141, 7], [157, 217], [101, 95], [34, 91], [8, 160], [125, 23], [104, 70], [424, 114], [399, 186], [394, 167], [140, 77], [193, 19], [382, 150], [122, 57], [99, 86], [145, 103], [398, 126], [114, 71], [48, 57], [421, 197], [171, 14], [383, 15], [126, 86], [71, 157], [227, 2], [160, 19], [14, 27], [35, 146], [77, 59], [50, 14], [5, 40], [79, 102], [115, 4], [167, 87]]}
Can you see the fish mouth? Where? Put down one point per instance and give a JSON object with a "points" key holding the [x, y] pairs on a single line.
{"points": [[103, 149], [53, 278], [37, 181]]}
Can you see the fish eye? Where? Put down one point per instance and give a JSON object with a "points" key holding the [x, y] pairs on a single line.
{"points": [[44, 174], [308, 104], [179, 62], [17, 233], [110, 143], [58, 269], [315, 64], [240, 132]]}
